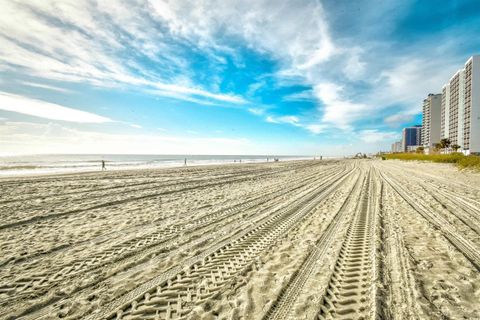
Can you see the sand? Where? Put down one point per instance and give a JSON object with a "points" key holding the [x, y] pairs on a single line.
{"points": [[330, 239]]}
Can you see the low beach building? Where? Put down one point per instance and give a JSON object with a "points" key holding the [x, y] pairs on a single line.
{"points": [[397, 147], [413, 148]]}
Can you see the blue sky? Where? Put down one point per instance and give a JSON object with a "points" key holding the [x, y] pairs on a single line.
{"points": [[223, 77]]}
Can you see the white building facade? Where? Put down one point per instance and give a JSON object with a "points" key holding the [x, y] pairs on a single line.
{"points": [[460, 108], [431, 122], [471, 133], [445, 113]]}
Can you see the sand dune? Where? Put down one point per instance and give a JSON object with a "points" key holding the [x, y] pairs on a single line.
{"points": [[289, 240]]}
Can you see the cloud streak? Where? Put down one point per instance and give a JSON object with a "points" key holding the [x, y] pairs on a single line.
{"points": [[45, 86], [37, 108]]}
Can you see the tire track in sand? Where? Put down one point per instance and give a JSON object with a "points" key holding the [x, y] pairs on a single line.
{"points": [[30, 285], [351, 292], [41, 218], [466, 247], [282, 307], [176, 292], [63, 247], [40, 282]]}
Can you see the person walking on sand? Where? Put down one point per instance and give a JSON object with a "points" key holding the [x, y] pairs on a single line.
{"points": [[103, 165]]}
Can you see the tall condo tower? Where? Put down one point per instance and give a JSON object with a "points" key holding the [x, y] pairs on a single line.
{"points": [[471, 132], [445, 113], [431, 123], [460, 114], [457, 99]]}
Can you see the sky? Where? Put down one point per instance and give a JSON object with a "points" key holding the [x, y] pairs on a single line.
{"points": [[331, 77]]}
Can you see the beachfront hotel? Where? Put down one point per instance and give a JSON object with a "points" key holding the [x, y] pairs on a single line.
{"points": [[471, 133], [460, 108], [430, 132]]}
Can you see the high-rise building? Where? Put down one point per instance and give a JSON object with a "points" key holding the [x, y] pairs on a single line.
{"points": [[411, 137], [431, 123], [456, 110], [445, 113], [471, 129], [460, 115]]}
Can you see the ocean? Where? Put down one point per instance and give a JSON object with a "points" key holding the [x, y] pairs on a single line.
{"points": [[70, 163]]}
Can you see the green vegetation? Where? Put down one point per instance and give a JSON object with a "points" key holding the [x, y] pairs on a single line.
{"points": [[459, 159]]}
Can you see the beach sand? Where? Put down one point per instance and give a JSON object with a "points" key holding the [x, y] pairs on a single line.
{"points": [[329, 239]]}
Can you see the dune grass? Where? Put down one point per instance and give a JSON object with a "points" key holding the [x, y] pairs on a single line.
{"points": [[462, 161]]}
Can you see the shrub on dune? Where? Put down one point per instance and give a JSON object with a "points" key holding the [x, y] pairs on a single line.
{"points": [[459, 159]]}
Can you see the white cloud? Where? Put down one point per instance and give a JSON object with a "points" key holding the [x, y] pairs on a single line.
{"points": [[376, 136], [301, 48], [98, 49], [411, 79], [337, 110], [182, 97], [33, 138], [271, 119], [136, 126], [172, 88], [265, 25], [254, 87], [108, 37], [67, 54], [42, 109], [40, 138], [256, 111], [306, 95], [316, 128], [289, 119], [354, 68], [44, 86], [293, 120], [398, 119]]}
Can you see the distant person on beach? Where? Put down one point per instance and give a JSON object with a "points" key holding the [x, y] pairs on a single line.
{"points": [[103, 165], [185, 162]]}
